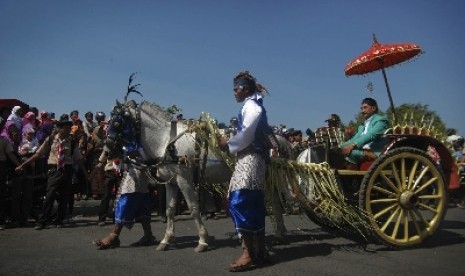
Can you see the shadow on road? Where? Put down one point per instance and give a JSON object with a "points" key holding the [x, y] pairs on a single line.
{"points": [[443, 237], [453, 224], [308, 244]]}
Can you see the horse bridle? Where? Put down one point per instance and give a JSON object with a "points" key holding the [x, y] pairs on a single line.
{"points": [[124, 130]]}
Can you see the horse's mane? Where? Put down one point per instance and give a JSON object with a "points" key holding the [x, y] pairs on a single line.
{"points": [[156, 129], [156, 110]]}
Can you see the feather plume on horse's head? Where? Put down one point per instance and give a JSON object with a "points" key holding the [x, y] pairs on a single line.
{"points": [[132, 88]]}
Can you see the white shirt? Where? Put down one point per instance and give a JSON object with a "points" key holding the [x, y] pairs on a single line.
{"points": [[367, 124], [251, 113]]}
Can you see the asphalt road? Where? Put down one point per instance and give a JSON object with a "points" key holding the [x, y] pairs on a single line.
{"points": [[310, 250]]}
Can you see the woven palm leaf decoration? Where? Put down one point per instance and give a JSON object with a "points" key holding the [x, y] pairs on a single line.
{"points": [[315, 188]]}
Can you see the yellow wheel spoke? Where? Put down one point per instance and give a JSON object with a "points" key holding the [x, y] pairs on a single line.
{"points": [[413, 170], [402, 174], [420, 218], [383, 200], [391, 217], [377, 215], [396, 177], [405, 215], [415, 222], [389, 182], [384, 191], [429, 196], [420, 177], [396, 226], [427, 183], [428, 208]]}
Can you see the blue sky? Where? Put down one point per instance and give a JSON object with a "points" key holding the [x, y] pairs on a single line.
{"points": [[64, 55]]}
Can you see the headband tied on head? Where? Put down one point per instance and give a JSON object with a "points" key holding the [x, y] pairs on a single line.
{"points": [[246, 83]]}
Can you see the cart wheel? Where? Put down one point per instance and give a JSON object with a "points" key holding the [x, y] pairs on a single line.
{"points": [[404, 196]]}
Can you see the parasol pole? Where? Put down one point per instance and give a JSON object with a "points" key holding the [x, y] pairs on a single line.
{"points": [[389, 95], [387, 84]]}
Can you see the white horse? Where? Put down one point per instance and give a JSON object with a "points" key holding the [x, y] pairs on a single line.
{"points": [[172, 148]]}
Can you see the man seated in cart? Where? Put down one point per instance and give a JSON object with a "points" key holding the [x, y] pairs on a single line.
{"points": [[367, 144]]}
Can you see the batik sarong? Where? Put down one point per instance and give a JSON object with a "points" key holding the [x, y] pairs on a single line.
{"points": [[249, 172], [246, 196]]}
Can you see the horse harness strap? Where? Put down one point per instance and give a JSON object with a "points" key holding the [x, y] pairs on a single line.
{"points": [[200, 158], [170, 156], [137, 124], [173, 130]]}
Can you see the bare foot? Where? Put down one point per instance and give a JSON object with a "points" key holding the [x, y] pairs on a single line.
{"points": [[110, 241], [244, 262]]}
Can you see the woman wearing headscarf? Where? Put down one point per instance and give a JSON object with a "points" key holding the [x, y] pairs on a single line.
{"points": [[29, 123], [11, 134], [44, 118], [15, 116]]}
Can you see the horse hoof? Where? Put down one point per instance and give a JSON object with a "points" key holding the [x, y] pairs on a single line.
{"points": [[162, 247], [201, 248]]}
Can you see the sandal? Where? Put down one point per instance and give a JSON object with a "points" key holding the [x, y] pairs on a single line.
{"points": [[115, 242], [145, 241]]}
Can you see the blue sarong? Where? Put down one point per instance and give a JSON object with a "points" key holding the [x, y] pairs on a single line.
{"points": [[247, 208], [131, 207]]}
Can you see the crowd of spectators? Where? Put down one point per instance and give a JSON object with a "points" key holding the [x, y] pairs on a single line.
{"points": [[23, 131]]}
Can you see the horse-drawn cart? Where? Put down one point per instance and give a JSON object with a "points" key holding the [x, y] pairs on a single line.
{"points": [[399, 199]]}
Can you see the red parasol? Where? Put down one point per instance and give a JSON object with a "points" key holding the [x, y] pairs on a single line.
{"points": [[381, 56]]}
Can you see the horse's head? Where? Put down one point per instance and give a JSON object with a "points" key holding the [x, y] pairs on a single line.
{"points": [[121, 129]]}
